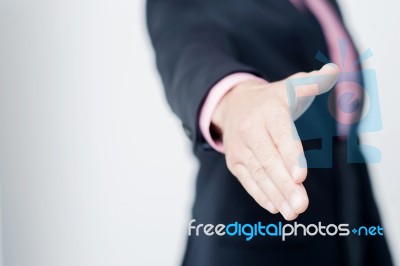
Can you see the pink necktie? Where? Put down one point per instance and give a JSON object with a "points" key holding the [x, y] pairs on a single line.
{"points": [[348, 92]]}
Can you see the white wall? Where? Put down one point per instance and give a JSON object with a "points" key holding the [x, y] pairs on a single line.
{"points": [[374, 24], [85, 139], [87, 177]]}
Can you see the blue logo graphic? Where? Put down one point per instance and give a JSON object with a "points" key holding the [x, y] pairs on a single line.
{"points": [[365, 111]]}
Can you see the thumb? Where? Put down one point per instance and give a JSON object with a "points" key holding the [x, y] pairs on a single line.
{"points": [[315, 82], [303, 87]]}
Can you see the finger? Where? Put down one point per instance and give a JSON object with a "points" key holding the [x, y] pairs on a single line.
{"points": [[286, 139], [269, 158], [269, 188], [301, 91], [315, 82], [302, 88], [245, 179]]}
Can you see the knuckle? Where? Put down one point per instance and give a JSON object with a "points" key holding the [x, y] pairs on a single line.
{"points": [[245, 126], [231, 160], [303, 206], [306, 203], [286, 185], [275, 106], [285, 138], [305, 173], [280, 118], [269, 161], [302, 175], [233, 165], [234, 158], [259, 175], [268, 205], [260, 199]]}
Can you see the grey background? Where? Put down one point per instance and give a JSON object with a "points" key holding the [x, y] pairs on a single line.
{"points": [[86, 176]]}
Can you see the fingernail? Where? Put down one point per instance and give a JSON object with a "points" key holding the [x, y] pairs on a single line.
{"points": [[298, 170], [296, 173], [296, 201], [332, 65], [271, 208], [287, 211]]}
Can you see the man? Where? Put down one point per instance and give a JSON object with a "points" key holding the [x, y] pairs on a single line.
{"points": [[242, 76]]}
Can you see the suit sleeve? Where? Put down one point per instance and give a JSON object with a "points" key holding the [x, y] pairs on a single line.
{"points": [[193, 52]]}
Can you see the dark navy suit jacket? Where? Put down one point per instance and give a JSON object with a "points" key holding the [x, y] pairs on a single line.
{"points": [[199, 42]]}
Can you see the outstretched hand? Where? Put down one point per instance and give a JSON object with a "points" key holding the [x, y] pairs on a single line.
{"points": [[260, 140]]}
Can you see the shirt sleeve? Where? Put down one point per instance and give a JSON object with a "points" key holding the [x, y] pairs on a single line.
{"points": [[193, 52]]}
